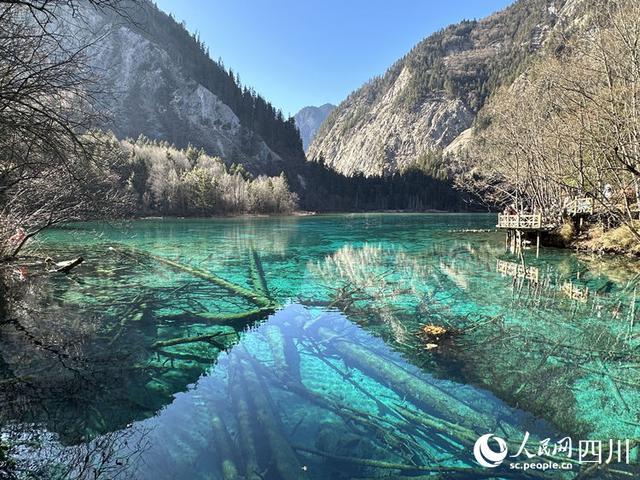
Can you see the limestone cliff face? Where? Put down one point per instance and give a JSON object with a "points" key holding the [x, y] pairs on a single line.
{"points": [[431, 96], [387, 136], [149, 91]]}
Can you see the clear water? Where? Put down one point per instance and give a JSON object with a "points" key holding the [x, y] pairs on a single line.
{"points": [[135, 367]]}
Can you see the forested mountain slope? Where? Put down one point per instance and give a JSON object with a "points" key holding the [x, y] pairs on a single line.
{"points": [[427, 99], [159, 80]]}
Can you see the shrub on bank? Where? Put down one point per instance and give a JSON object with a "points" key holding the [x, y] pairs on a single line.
{"points": [[616, 240]]}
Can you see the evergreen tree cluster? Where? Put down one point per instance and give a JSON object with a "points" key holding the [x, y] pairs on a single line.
{"points": [[476, 76], [412, 190]]}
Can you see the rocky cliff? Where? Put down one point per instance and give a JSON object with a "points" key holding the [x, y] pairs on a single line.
{"points": [[309, 119], [159, 81], [429, 99]]}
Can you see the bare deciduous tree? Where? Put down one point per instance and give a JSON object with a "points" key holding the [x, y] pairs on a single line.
{"points": [[52, 168], [571, 127]]}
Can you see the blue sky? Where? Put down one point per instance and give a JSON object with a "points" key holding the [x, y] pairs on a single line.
{"points": [[309, 52]]}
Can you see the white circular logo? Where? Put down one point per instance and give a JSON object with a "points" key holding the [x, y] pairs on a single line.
{"points": [[485, 456]]}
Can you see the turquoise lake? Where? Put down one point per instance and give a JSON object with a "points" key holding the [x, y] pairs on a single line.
{"points": [[321, 347]]}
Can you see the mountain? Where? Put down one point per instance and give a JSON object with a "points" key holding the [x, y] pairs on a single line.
{"points": [[309, 120], [426, 102], [159, 81]]}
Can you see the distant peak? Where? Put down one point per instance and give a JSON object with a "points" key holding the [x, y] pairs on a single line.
{"points": [[309, 119]]}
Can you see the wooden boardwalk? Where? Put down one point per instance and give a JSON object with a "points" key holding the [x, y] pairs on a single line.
{"points": [[517, 224], [579, 206]]}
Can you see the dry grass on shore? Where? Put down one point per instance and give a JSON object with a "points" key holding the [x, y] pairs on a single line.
{"points": [[620, 240]]}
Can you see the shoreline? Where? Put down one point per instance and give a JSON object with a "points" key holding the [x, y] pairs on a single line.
{"points": [[595, 240], [303, 213], [296, 214]]}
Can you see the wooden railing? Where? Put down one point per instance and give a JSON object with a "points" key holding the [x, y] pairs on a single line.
{"points": [[520, 220], [575, 293], [577, 206], [518, 270]]}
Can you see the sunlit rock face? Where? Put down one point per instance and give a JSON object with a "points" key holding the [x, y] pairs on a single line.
{"points": [[144, 89], [390, 137], [431, 96]]}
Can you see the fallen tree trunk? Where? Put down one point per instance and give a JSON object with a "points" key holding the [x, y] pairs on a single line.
{"points": [[286, 358], [133, 313], [465, 436], [186, 356], [243, 292], [389, 435], [222, 441], [283, 456], [243, 419], [257, 274], [422, 393], [67, 266], [276, 344], [200, 338], [237, 320], [288, 351]]}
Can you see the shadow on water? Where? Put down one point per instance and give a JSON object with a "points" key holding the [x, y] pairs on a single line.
{"points": [[296, 348]]}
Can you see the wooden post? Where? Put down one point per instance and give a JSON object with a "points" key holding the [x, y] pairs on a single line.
{"points": [[538, 245]]}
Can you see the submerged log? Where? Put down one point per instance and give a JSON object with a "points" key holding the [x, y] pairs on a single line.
{"points": [[243, 292], [190, 357], [4, 382], [245, 431], [285, 461], [286, 357], [292, 356], [210, 338], [134, 312], [276, 343], [222, 441], [422, 393], [257, 274], [390, 435], [462, 435], [236, 320]]}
